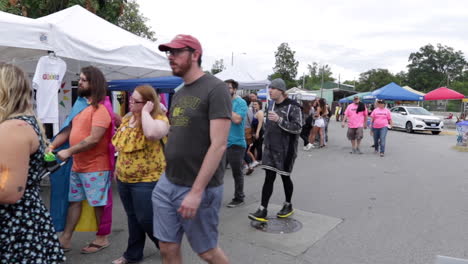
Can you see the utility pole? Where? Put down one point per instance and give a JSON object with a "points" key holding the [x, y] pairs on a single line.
{"points": [[232, 58], [321, 84], [303, 80]]}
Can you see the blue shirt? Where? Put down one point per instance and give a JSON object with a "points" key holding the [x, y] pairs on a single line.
{"points": [[237, 132]]}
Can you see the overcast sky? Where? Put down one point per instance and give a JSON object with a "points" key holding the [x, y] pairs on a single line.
{"points": [[350, 36]]}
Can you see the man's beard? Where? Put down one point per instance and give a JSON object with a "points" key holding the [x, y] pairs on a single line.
{"points": [[182, 68], [82, 92]]}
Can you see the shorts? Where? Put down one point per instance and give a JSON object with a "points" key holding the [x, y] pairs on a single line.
{"points": [[355, 133], [319, 122], [169, 226], [91, 186]]}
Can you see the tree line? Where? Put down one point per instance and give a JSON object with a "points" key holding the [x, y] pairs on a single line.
{"points": [[428, 68]]}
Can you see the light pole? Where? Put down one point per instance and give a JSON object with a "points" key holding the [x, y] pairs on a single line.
{"points": [[232, 57]]}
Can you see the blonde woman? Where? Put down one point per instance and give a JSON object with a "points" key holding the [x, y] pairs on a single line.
{"points": [[26, 231], [140, 141]]}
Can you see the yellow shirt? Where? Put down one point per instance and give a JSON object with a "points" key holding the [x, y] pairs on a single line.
{"points": [[140, 159]]}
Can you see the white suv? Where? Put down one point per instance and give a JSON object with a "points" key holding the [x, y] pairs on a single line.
{"points": [[415, 118]]}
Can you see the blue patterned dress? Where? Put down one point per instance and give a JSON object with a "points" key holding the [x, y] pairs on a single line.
{"points": [[27, 235]]}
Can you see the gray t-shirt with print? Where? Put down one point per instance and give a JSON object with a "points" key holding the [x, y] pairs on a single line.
{"points": [[192, 108]]}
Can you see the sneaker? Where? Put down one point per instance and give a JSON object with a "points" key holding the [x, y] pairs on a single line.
{"points": [[286, 211], [254, 164], [358, 151], [352, 151], [249, 171], [382, 154], [235, 203], [260, 215], [308, 147]]}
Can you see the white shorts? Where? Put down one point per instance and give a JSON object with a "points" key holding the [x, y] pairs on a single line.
{"points": [[319, 122]]}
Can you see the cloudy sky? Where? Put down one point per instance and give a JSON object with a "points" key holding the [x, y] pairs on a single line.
{"points": [[350, 36]]}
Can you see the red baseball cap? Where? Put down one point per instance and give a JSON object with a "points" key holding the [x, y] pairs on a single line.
{"points": [[181, 41]]}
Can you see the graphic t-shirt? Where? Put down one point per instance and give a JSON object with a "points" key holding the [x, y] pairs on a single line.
{"points": [[237, 131], [381, 117], [97, 158], [47, 81], [355, 120], [193, 106]]}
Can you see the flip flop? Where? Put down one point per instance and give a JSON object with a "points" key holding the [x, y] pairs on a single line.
{"points": [[92, 245], [64, 249]]}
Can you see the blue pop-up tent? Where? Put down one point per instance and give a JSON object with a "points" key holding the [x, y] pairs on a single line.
{"points": [[365, 97], [394, 92], [162, 84]]}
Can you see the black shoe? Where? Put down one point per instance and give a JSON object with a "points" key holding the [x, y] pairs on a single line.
{"points": [[259, 216], [286, 211], [235, 203]]}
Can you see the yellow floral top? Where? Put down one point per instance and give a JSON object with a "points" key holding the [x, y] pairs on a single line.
{"points": [[140, 159]]}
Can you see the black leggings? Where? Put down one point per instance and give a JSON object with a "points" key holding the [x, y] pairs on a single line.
{"points": [[267, 190]]}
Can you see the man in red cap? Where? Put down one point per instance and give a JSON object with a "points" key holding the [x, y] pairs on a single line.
{"points": [[188, 197]]}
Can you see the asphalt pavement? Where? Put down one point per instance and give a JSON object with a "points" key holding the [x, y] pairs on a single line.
{"points": [[407, 207]]}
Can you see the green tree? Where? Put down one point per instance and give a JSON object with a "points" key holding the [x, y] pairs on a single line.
{"points": [[432, 67], [132, 20], [120, 12], [218, 66], [285, 65], [314, 77], [374, 79]]}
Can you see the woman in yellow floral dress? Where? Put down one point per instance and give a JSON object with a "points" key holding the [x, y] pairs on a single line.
{"points": [[140, 142]]}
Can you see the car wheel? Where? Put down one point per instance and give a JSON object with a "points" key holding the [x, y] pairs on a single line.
{"points": [[409, 127], [435, 132]]}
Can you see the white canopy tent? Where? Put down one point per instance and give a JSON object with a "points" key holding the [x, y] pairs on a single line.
{"points": [[245, 80], [22, 38], [81, 39]]}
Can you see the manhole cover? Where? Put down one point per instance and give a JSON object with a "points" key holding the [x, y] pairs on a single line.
{"points": [[278, 225]]}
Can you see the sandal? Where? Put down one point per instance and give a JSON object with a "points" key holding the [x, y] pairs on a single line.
{"points": [[95, 247]]}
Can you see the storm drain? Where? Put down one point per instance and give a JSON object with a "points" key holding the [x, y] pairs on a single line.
{"points": [[278, 225]]}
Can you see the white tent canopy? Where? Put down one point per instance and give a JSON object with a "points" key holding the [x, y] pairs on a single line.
{"points": [[245, 80], [22, 38], [81, 39]]}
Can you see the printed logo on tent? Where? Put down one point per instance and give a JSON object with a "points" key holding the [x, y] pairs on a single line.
{"points": [[43, 38], [51, 76]]}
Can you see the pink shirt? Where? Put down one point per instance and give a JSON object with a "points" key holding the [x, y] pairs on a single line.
{"points": [[381, 117], [355, 120]]}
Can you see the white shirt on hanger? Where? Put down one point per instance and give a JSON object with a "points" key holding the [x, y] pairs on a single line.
{"points": [[47, 81]]}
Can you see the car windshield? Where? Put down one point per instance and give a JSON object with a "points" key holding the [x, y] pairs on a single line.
{"points": [[418, 111]]}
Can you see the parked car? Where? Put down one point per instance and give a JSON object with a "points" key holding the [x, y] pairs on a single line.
{"points": [[415, 118]]}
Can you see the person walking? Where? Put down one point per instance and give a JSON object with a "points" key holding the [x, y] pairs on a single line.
{"points": [[281, 137], [27, 234], [140, 143], [90, 178], [236, 143], [381, 120], [188, 197], [257, 127], [356, 115], [321, 113]]}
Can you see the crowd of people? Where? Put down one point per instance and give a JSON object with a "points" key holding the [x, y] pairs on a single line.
{"points": [[170, 166]]}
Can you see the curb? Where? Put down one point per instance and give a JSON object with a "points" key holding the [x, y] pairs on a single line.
{"points": [[449, 132]]}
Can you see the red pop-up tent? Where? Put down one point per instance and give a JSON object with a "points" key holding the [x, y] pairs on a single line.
{"points": [[443, 93]]}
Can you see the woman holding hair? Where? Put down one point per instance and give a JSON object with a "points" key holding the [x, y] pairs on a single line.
{"points": [[381, 119], [257, 129], [27, 234], [140, 143], [321, 112]]}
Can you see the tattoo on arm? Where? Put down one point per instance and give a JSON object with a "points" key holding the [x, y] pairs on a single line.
{"points": [[20, 188], [84, 142], [4, 175]]}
